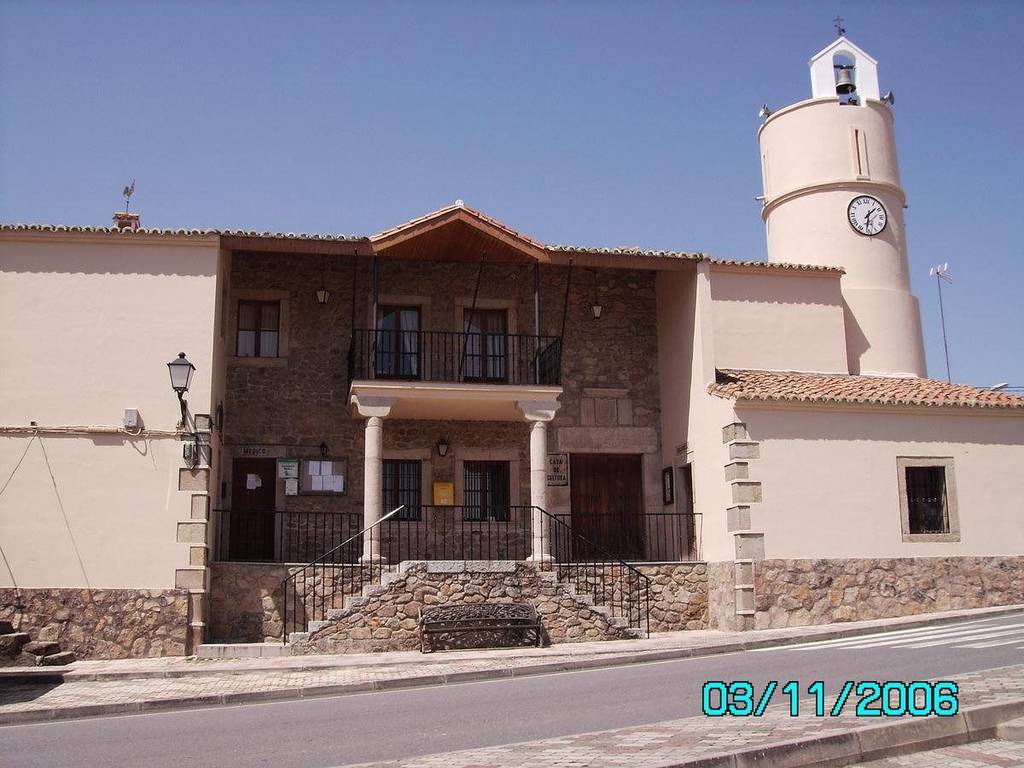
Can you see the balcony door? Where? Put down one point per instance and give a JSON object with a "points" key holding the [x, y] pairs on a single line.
{"points": [[486, 356], [398, 343]]}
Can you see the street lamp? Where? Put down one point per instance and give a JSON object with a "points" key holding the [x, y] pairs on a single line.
{"points": [[181, 371], [442, 447]]}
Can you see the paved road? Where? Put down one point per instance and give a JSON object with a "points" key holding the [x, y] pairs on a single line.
{"points": [[350, 729]]}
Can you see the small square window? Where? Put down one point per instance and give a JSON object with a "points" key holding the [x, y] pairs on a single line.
{"points": [[486, 490], [928, 499], [401, 486], [259, 326], [927, 507]]}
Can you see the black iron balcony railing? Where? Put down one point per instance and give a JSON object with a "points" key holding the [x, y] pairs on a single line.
{"points": [[275, 536], [450, 533], [452, 356]]}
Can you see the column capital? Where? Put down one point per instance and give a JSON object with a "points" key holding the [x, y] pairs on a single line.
{"points": [[371, 405], [538, 410]]}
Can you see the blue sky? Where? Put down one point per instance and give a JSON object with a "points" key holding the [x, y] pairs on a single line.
{"points": [[589, 123]]}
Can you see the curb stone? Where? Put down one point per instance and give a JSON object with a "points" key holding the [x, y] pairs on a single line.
{"points": [[871, 742]]}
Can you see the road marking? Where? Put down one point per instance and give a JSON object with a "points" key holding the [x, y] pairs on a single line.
{"points": [[877, 636], [922, 639], [970, 636]]}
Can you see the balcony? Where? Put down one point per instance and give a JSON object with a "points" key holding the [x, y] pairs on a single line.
{"points": [[452, 374]]}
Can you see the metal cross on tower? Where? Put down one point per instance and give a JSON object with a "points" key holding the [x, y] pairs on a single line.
{"points": [[840, 29]]}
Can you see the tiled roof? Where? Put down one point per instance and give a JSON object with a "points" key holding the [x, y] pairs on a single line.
{"points": [[127, 232], [625, 251], [458, 205], [440, 212], [778, 265], [787, 386]]}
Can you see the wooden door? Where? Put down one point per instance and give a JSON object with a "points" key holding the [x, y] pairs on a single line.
{"points": [[253, 496], [606, 495]]}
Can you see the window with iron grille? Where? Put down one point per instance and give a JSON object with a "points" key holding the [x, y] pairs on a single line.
{"points": [[259, 326], [927, 507], [927, 498], [401, 482], [486, 490]]}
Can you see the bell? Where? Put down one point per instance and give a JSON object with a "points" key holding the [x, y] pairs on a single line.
{"points": [[844, 83]]}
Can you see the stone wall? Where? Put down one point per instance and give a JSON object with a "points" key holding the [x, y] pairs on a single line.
{"points": [[102, 623], [722, 596], [291, 405], [247, 599], [793, 593], [679, 595], [387, 619]]}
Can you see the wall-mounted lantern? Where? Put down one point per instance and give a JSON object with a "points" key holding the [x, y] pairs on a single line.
{"points": [[322, 294], [596, 308], [442, 447], [181, 371], [323, 450]]}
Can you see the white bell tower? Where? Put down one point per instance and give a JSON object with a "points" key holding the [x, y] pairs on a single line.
{"points": [[833, 197]]}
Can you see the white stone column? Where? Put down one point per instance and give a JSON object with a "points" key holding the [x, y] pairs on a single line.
{"points": [[374, 409], [539, 413], [372, 477]]}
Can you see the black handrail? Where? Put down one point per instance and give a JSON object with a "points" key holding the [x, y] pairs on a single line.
{"points": [[609, 580], [339, 560], [455, 356]]}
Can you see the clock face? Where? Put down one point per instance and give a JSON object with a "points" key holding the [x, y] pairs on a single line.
{"points": [[867, 215]]}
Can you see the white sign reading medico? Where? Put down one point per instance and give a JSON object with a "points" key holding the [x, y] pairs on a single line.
{"points": [[558, 469]]}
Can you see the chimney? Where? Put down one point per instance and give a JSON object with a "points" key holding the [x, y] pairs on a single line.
{"points": [[124, 220]]}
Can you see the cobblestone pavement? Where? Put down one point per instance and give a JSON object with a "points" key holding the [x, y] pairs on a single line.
{"points": [[674, 741], [980, 754]]}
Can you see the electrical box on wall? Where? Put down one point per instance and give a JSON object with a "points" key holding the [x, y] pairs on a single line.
{"points": [[131, 418]]}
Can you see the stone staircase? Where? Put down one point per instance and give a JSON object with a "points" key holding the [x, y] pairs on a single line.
{"points": [[18, 649], [382, 607]]}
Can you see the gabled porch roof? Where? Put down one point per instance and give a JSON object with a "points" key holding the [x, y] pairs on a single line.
{"points": [[457, 233]]}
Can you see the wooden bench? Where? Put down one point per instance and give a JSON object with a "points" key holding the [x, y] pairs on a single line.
{"points": [[488, 619]]}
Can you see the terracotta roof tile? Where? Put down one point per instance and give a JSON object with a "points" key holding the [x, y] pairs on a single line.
{"points": [[302, 236], [179, 232], [777, 265], [787, 386], [458, 206]]}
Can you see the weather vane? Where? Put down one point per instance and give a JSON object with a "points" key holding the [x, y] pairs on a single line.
{"points": [[840, 29], [128, 192]]}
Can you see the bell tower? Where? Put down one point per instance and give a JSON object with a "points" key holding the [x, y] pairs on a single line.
{"points": [[832, 197]]}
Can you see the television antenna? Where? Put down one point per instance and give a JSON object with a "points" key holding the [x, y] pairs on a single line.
{"points": [[941, 275]]}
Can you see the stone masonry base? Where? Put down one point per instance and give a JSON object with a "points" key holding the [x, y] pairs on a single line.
{"points": [[102, 623], [386, 619], [245, 599], [791, 593]]}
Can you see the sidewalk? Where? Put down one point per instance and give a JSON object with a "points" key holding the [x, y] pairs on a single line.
{"points": [[987, 699], [89, 688]]}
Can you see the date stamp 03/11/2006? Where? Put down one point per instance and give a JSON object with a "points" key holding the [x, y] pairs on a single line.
{"points": [[867, 698]]}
